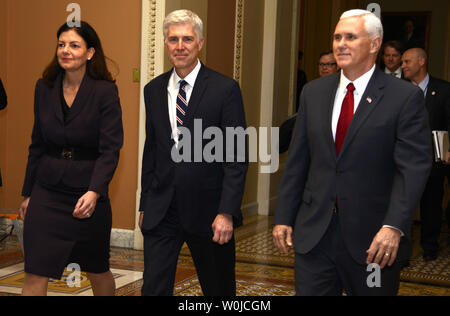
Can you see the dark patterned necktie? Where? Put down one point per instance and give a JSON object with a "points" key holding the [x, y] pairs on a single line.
{"points": [[347, 111], [182, 104]]}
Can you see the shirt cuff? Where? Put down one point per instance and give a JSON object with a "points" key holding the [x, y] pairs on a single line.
{"points": [[402, 234]]}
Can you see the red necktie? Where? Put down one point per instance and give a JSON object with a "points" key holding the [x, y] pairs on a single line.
{"points": [[347, 111]]}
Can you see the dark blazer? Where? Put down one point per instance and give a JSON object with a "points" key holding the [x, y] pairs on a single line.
{"points": [[201, 190], [438, 104], [379, 176], [3, 97], [94, 123]]}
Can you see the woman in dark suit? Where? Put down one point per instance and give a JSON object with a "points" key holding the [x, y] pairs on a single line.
{"points": [[3, 103], [76, 140]]}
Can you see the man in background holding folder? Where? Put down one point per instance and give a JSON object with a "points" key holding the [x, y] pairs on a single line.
{"points": [[437, 96]]}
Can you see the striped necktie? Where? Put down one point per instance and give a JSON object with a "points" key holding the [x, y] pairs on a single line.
{"points": [[182, 104]]}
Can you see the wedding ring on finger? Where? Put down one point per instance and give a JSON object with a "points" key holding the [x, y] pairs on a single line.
{"points": [[387, 255]]}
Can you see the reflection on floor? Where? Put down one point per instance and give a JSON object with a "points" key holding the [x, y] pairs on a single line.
{"points": [[260, 269]]}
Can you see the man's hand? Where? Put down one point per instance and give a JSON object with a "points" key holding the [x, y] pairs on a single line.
{"points": [[384, 248], [223, 229], [282, 236]]}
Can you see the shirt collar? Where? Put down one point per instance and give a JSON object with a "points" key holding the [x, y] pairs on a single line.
{"points": [[398, 72], [424, 84], [190, 79], [360, 83]]}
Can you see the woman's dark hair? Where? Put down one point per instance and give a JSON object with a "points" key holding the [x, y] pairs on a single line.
{"points": [[96, 67]]}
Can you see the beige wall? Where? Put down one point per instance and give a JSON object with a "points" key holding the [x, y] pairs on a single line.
{"points": [[221, 29], [31, 31]]}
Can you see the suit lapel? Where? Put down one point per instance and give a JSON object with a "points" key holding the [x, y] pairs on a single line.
{"points": [[84, 92], [200, 86], [56, 95], [330, 103], [369, 101], [431, 94], [164, 103]]}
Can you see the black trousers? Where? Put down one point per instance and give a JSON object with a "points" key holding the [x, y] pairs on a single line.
{"points": [[329, 269], [215, 264], [431, 209]]}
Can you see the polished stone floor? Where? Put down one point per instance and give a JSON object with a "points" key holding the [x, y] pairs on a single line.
{"points": [[260, 269]]}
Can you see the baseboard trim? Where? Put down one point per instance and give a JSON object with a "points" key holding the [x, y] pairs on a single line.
{"points": [[250, 210], [122, 238]]}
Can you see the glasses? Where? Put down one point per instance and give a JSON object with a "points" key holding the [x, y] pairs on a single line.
{"points": [[328, 65]]}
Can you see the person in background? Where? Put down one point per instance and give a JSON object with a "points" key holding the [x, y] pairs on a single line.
{"points": [[437, 97], [392, 58], [327, 64], [74, 152]]}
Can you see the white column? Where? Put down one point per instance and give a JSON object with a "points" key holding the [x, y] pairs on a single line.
{"points": [[267, 93]]}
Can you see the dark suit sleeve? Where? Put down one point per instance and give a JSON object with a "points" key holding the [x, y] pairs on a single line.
{"points": [[3, 97], [446, 91], [234, 172], [148, 161], [36, 149], [295, 173], [413, 159], [110, 140]]}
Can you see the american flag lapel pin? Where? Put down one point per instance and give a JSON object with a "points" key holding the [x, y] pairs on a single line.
{"points": [[369, 100]]}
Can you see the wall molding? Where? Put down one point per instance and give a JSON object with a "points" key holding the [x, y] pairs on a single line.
{"points": [[267, 94], [122, 238]]}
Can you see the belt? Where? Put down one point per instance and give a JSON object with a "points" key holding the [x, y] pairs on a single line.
{"points": [[72, 153]]}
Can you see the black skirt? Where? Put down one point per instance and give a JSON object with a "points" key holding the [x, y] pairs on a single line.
{"points": [[53, 238]]}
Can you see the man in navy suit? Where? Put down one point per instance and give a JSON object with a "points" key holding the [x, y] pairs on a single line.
{"points": [[195, 202], [437, 96], [357, 166]]}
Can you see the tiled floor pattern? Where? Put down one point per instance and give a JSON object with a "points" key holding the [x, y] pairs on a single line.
{"points": [[260, 270]]}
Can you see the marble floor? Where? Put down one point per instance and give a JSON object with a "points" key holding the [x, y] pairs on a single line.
{"points": [[260, 269]]}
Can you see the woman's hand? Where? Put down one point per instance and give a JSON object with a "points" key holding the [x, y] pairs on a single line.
{"points": [[86, 205], [23, 208]]}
